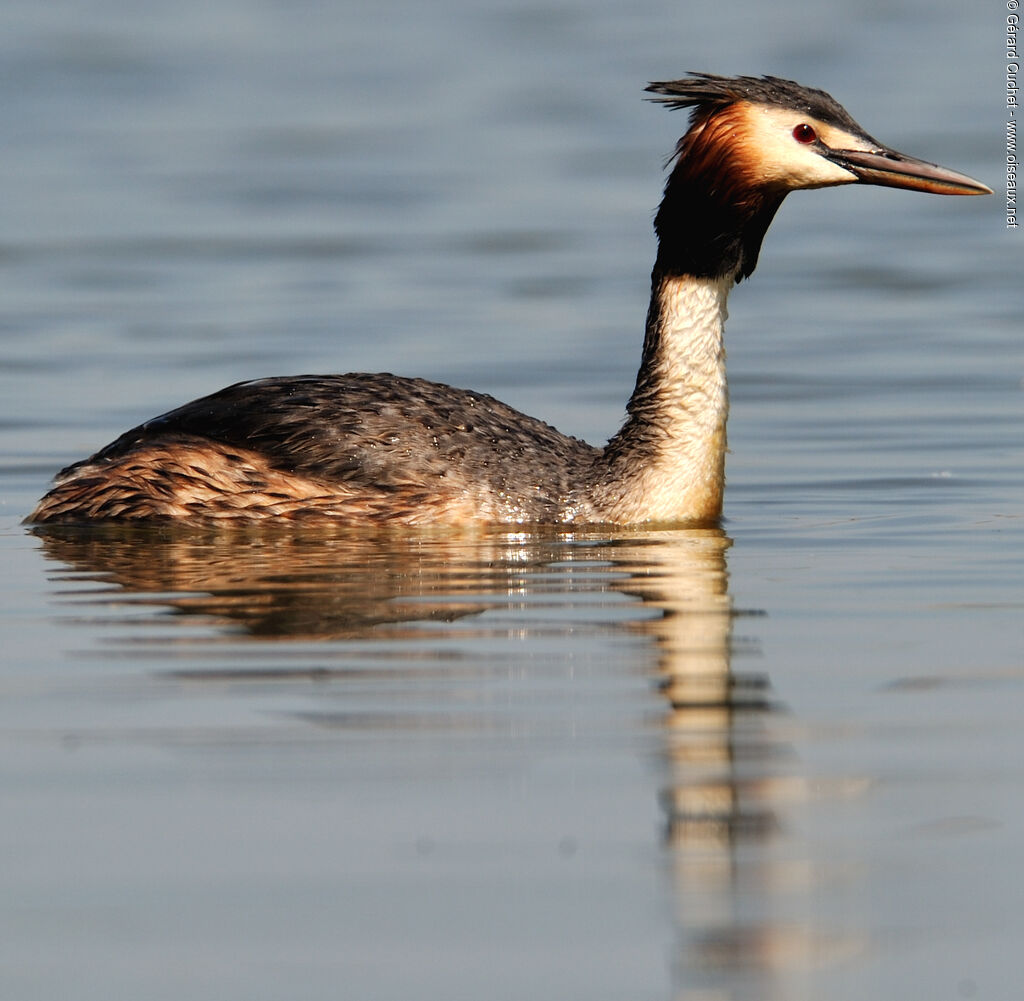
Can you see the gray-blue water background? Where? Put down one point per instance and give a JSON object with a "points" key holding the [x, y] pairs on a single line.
{"points": [[783, 761]]}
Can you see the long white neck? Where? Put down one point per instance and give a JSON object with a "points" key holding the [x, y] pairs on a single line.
{"points": [[668, 462]]}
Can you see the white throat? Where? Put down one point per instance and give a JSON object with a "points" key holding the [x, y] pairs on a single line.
{"points": [[667, 463]]}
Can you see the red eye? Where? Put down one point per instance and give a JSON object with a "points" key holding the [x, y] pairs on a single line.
{"points": [[803, 133]]}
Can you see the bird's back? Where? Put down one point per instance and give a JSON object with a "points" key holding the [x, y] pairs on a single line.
{"points": [[358, 447]]}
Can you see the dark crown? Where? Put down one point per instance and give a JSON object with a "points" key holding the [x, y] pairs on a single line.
{"points": [[707, 92]]}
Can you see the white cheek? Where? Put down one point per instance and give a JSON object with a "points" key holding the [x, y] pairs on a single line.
{"points": [[788, 163], [819, 171]]}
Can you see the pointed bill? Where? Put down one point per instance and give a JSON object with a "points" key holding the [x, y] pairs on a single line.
{"points": [[896, 170]]}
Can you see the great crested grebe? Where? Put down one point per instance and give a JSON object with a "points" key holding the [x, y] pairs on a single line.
{"points": [[381, 449]]}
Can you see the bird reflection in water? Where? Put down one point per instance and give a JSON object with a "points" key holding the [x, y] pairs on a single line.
{"points": [[742, 907], [744, 910]]}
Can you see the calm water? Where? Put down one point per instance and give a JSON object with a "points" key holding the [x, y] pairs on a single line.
{"points": [[781, 761]]}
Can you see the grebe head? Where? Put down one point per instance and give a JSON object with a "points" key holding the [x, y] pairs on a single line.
{"points": [[751, 141]]}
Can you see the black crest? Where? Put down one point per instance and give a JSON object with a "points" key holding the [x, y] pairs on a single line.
{"points": [[708, 92]]}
